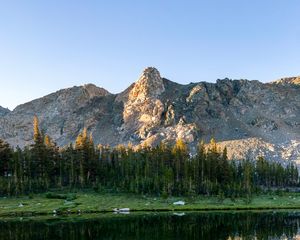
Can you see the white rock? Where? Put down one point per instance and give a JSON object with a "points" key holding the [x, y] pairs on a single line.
{"points": [[124, 210], [179, 214], [179, 203], [121, 210]]}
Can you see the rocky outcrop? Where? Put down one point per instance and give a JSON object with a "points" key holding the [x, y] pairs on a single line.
{"points": [[3, 111], [249, 117], [289, 81], [143, 108], [149, 85]]}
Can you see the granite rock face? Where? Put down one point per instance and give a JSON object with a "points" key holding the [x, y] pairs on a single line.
{"points": [[249, 117]]}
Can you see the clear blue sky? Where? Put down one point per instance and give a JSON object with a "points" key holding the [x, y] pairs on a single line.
{"points": [[48, 45]]}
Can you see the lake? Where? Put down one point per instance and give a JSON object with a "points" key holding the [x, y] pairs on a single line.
{"points": [[189, 225]]}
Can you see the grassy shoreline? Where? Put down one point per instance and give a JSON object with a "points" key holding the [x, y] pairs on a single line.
{"points": [[89, 202]]}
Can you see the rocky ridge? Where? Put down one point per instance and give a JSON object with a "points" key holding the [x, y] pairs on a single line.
{"points": [[249, 117], [289, 81]]}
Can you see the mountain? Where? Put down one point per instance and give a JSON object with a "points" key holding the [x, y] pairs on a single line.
{"points": [[62, 114], [249, 117], [3, 111]]}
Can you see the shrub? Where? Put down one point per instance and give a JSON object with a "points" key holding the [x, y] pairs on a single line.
{"points": [[68, 197]]}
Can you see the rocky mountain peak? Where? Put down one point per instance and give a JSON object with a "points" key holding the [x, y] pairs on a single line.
{"points": [[149, 85]]}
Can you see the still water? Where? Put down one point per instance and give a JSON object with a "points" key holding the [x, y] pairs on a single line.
{"points": [[201, 225]]}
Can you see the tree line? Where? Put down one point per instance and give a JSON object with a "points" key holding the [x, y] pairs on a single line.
{"points": [[163, 170]]}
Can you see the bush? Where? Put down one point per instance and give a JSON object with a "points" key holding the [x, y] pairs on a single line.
{"points": [[165, 195], [68, 197], [221, 196], [71, 197], [279, 192], [248, 198], [30, 196]]}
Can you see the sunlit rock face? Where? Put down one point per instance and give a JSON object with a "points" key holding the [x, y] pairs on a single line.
{"points": [[249, 117], [288, 81], [143, 109], [149, 85]]}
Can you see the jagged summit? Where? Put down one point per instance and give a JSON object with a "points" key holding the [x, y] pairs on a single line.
{"points": [[149, 73], [150, 84]]}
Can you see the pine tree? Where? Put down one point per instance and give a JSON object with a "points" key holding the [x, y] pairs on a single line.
{"points": [[180, 153], [200, 158], [37, 136], [38, 150], [224, 170], [52, 163], [5, 156], [86, 154]]}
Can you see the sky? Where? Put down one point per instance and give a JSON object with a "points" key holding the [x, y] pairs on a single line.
{"points": [[49, 45]]}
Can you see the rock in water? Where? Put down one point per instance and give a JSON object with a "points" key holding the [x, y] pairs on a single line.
{"points": [[180, 203]]}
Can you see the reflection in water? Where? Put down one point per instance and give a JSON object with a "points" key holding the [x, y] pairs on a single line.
{"points": [[216, 225]]}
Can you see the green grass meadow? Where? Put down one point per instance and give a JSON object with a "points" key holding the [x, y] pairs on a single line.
{"points": [[90, 202]]}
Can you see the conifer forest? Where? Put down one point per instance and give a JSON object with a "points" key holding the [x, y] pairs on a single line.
{"points": [[163, 170]]}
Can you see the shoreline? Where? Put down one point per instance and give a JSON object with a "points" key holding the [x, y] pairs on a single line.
{"points": [[71, 213], [95, 203]]}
